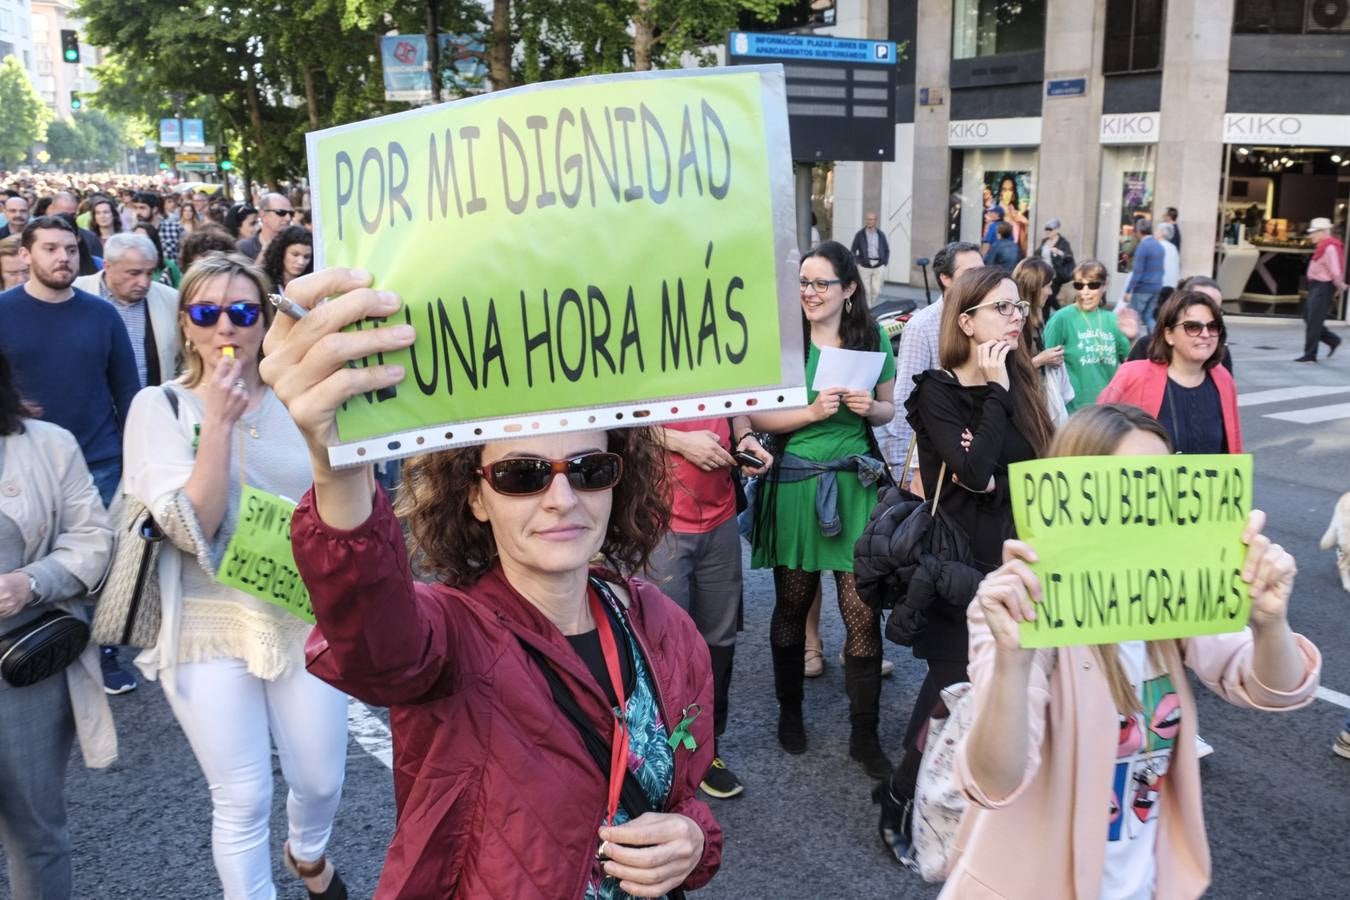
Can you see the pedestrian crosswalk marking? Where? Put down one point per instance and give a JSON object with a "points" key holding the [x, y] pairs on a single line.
{"points": [[1336, 697], [1280, 395], [1316, 414], [372, 734]]}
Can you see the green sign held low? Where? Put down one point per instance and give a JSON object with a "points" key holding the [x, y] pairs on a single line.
{"points": [[572, 255], [1134, 547], [259, 561]]}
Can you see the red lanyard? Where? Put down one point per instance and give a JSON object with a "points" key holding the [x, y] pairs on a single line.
{"points": [[618, 751]]}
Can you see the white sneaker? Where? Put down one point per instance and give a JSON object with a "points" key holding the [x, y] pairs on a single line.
{"points": [[1203, 747], [887, 667]]}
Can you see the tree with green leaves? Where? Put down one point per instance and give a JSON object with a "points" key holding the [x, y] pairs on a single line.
{"points": [[264, 74], [67, 144], [23, 115]]}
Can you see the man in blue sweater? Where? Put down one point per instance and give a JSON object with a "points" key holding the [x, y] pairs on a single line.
{"points": [[1146, 278], [73, 360]]}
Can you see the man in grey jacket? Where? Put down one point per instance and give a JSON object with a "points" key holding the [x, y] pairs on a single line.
{"points": [[148, 308]]}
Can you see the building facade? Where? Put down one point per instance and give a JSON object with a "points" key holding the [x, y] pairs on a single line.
{"points": [[1098, 112], [16, 35]]}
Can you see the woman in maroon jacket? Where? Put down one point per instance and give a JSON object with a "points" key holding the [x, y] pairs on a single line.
{"points": [[514, 774]]}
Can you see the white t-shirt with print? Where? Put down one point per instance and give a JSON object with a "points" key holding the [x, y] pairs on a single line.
{"points": [[1139, 778]]}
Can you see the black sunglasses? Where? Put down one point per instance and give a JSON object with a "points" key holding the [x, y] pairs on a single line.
{"points": [[521, 476], [1090, 285], [1195, 329], [242, 314]]}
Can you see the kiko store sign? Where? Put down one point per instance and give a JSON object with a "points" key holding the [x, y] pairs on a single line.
{"points": [[1130, 128], [1285, 130]]}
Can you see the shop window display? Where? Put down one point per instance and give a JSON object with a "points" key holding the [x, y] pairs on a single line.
{"points": [[1271, 194], [990, 186]]}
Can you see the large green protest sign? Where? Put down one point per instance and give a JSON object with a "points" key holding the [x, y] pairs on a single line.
{"points": [[1134, 547], [573, 254], [258, 559]]}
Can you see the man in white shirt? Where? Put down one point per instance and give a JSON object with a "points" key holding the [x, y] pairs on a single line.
{"points": [[873, 254], [919, 351], [1171, 256]]}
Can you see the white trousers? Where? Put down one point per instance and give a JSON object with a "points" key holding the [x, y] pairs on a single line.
{"points": [[231, 718], [872, 280]]}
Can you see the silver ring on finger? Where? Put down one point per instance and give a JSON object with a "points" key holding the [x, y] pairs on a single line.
{"points": [[239, 383]]}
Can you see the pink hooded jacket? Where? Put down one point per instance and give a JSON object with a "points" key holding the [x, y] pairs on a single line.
{"points": [[1047, 839]]}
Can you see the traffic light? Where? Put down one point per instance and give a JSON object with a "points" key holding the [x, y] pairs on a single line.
{"points": [[70, 45], [226, 165], [75, 102]]}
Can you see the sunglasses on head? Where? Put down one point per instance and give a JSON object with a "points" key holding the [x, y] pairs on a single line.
{"points": [[1090, 285], [1195, 329], [242, 313], [521, 476]]}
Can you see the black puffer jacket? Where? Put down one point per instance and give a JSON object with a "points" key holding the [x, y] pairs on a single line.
{"points": [[907, 561]]}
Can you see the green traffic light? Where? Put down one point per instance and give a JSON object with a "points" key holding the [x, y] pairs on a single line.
{"points": [[226, 165], [72, 56], [163, 165]]}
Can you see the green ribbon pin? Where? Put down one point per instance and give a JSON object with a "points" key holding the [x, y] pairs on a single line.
{"points": [[681, 733]]}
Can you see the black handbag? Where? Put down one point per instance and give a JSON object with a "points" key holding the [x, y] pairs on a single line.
{"points": [[41, 648]]}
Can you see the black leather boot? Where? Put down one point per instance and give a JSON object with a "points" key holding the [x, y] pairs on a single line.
{"points": [[862, 682], [788, 663]]}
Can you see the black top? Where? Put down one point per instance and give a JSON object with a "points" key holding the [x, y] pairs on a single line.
{"points": [[1193, 416], [939, 409], [587, 646]]}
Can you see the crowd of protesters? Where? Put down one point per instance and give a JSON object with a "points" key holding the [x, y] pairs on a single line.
{"points": [[600, 607]]}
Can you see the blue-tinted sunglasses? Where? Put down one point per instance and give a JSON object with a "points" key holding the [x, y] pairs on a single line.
{"points": [[241, 313]]}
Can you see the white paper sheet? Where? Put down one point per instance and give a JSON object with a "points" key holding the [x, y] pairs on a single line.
{"points": [[854, 369]]}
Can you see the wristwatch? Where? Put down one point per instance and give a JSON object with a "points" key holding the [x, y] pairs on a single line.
{"points": [[36, 597]]}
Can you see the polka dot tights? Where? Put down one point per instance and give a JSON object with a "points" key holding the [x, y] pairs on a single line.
{"points": [[795, 591]]}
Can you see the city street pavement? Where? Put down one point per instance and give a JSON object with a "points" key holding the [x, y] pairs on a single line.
{"points": [[1277, 799]]}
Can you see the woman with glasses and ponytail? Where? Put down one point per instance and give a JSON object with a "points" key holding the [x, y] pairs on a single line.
{"points": [[232, 665], [552, 715], [814, 503], [1094, 346], [1183, 383], [1080, 763], [978, 414]]}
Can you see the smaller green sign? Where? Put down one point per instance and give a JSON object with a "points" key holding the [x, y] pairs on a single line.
{"points": [[1134, 547], [259, 561]]}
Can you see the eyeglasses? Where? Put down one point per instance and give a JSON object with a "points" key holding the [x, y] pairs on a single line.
{"points": [[1195, 329], [1004, 307], [283, 213], [242, 314], [819, 285], [1089, 285], [522, 476]]}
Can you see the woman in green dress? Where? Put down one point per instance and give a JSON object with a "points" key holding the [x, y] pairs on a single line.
{"points": [[814, 503]]}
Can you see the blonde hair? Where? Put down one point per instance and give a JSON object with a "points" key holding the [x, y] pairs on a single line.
{"points": [[1098, 431], [204, 270]]}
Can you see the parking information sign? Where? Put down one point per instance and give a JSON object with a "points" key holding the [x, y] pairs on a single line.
{"points": [[840, 92]]}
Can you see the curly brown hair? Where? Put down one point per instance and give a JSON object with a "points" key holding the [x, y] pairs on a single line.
{"points": [[452, 545]]}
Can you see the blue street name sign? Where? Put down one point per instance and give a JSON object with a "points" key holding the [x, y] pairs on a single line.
{"points": [[816, 48], [1066, 87]]}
